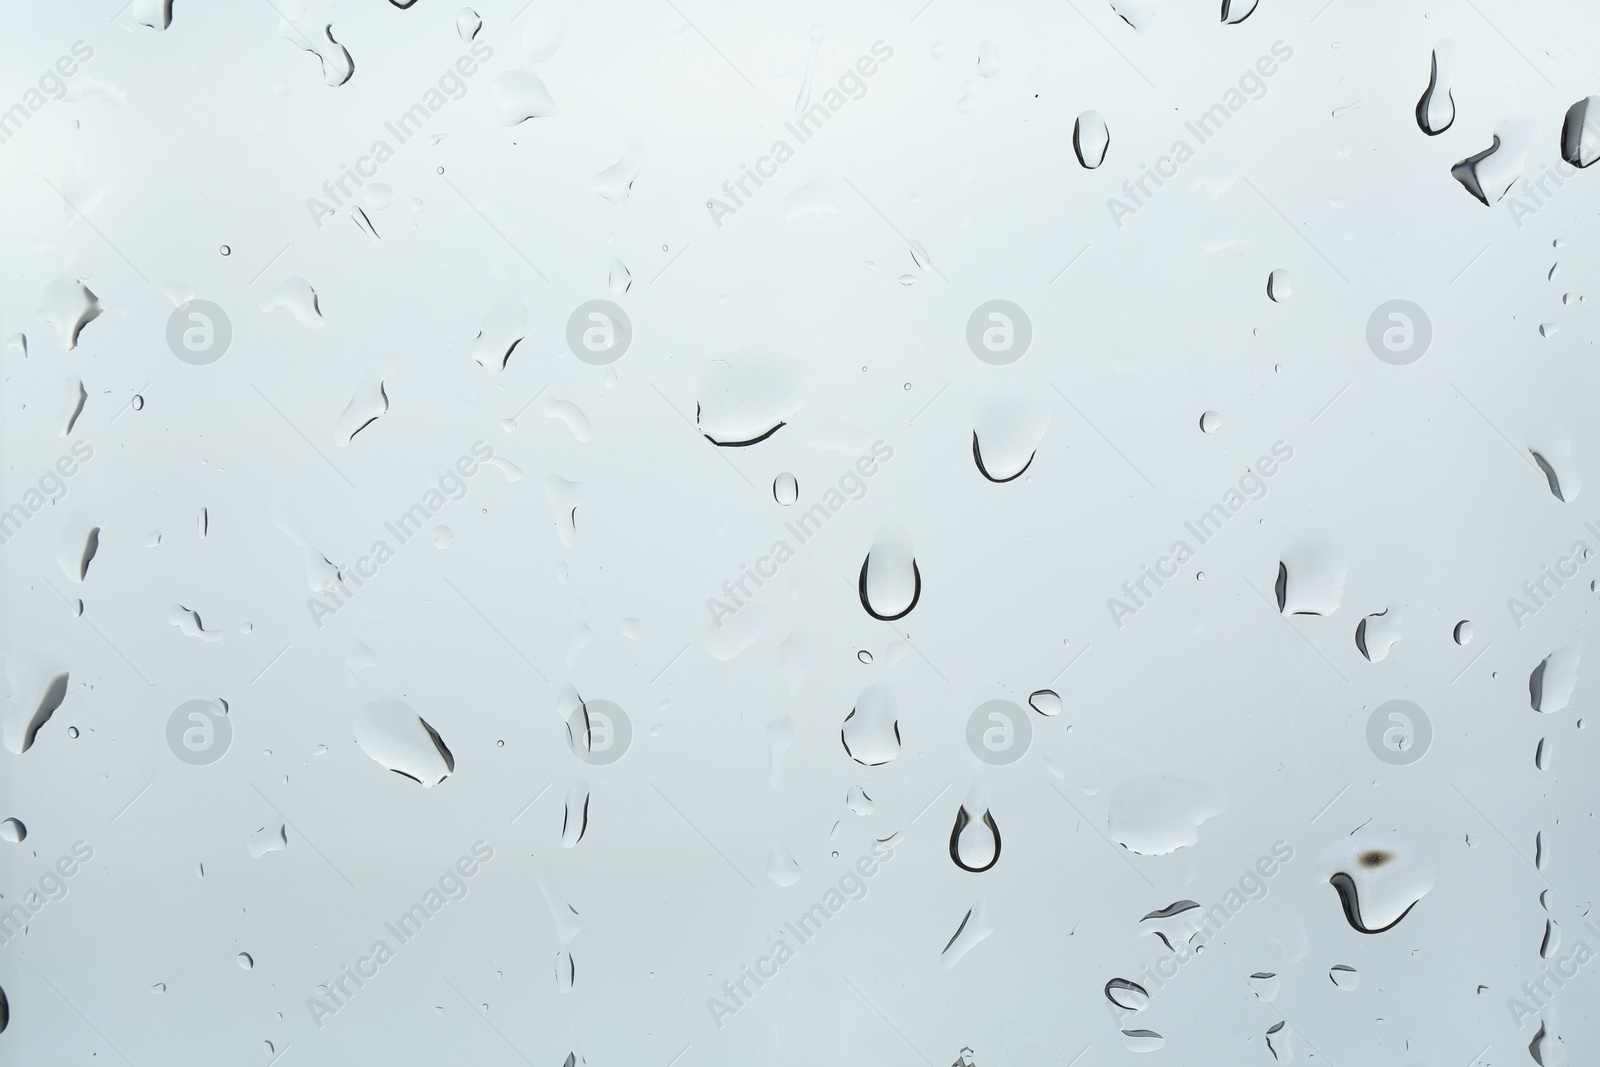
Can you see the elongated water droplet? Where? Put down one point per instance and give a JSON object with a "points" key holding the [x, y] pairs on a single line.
{"points": [[575, 816], [1142, 1040], [1279, 286], [1553, 681], [1264, 984], [1090, 139], [1580, 133], [1278, 1043], [1343, 976], [1463, 632], [1436, 109], [974, 927], [890, 583], [1542, 754], [1129, 996], [785, 489]]}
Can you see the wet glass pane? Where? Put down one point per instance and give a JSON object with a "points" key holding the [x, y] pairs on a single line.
{"points": [[688, 533]]}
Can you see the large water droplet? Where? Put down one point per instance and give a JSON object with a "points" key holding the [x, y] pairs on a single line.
{"points": [[1552, 682], [890, 583], [1379, 880], [871, 732], [785, 489], [1155, 816], [975, 839], [392, 734]]}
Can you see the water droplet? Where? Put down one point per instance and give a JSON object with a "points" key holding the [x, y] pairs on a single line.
{"points": [[1490, 174], [890, 583], [225, 250], [1543, 753], [246, 960], [785, 489], [1463, 632], [1142, 1040], [1090, 139], [1436, 110], [1278, 1042], [1279, 289], [1580, 132], [1236, 11], [392, 734], [468, 23], [864, 656], [520, 96], [13, 830], [1046, 702], [974, 927], [1154, 816], [975, 839], [575, 815], [858, 801], [1310, 581], [1377, 633], [270, 838], [1129, 996], [1343, 976], [1378, 880], [369, 403], [1552, 682], [988, 60], [782, 867], [138, 402], [295, 296], [1210, 422], [871, 732], [1006, 437]]}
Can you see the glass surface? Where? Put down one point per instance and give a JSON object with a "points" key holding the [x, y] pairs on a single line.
{"points": [[690, 533]]}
